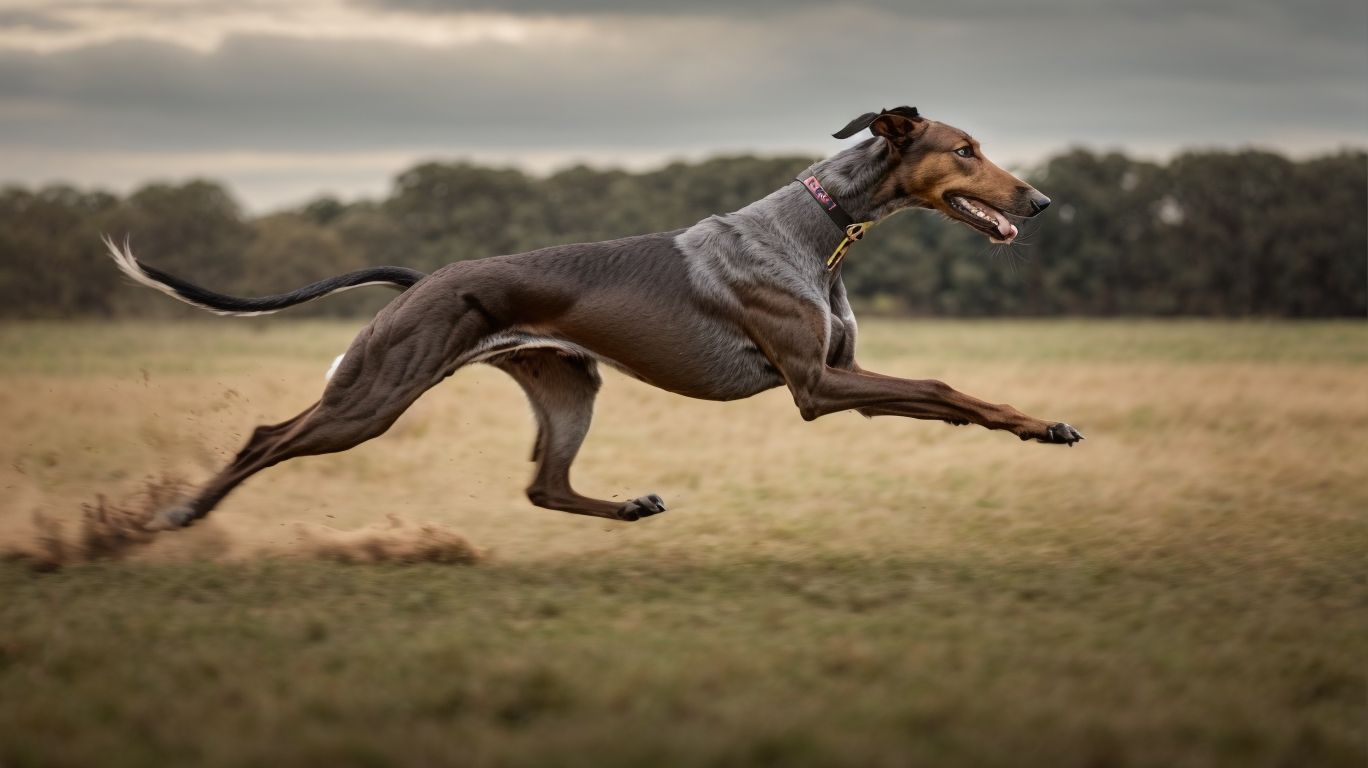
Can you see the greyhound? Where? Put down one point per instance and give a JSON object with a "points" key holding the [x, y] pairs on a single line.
{"points": [[736, 304]]}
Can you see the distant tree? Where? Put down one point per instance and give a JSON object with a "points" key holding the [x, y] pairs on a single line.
{"points": [[1238, 234], [194, 230], [324, 210], [1321, 246], [456, 212], [289, 250], [50, 252], [375, 232]]}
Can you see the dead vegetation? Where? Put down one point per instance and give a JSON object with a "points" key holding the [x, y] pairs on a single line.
{"points": [[105, 530], [396, 541], [113, 530]]}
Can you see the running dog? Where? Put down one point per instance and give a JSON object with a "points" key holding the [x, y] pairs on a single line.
{"points": [[734, 305]]}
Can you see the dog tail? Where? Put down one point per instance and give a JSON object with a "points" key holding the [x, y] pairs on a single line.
{"points": [[220, 304]]}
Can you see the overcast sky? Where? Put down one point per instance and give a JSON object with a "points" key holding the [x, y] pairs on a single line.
{"points": [[287, 99]]}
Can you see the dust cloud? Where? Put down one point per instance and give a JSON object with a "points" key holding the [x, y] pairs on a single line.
{"points": [[112, 530]]}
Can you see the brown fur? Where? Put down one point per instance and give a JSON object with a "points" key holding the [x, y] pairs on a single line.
{"points": [[928, 172]]}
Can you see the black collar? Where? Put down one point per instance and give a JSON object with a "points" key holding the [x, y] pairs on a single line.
{"points": [[854, 230]]}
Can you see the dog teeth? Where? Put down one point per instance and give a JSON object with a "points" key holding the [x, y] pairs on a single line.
{"points": [[982, 214]]}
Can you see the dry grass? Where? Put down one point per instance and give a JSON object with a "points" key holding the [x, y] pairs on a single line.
{"points": [[1186, 587], [107, 531], [397, 541]]}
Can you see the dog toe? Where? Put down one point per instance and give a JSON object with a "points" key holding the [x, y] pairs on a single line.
{"points": [[1062, 434], [644, 506]]}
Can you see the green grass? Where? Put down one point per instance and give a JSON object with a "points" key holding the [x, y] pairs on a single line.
{"points": [[1186, 588], [857, 661]]}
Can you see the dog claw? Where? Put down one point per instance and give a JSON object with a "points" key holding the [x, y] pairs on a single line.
{"points": [[1061, 434], [648, 505]]}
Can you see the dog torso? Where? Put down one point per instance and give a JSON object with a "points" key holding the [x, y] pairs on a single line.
{"points": [[666, 308]]}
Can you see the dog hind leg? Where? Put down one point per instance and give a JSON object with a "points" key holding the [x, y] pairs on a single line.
{"points": [[390, 364], [561, 388]]}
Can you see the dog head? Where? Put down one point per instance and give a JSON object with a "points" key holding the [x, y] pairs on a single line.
{"points": [[940, 167]]}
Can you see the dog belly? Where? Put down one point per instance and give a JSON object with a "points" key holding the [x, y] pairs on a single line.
{"points": [[722, 368], [725, 370]]}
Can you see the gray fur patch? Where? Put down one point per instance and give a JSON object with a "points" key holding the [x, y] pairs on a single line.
{"points": [[782, 240]]}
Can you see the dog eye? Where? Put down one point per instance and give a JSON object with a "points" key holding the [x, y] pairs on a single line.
{"points": [[965, 151]]}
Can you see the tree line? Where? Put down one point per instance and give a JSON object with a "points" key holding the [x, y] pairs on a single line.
{"points": [[1214, 234]]}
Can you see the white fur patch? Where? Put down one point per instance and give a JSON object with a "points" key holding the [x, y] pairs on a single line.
{"points": [[123, 259]]}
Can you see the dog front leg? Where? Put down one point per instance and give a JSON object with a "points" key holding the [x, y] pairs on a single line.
{"points": [[794, 339], [832, 389]]}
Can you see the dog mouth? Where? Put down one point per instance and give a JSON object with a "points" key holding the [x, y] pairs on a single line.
{"points": [[982, 217]]}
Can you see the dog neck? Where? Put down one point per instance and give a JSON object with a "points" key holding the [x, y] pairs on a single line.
{"points": [[852, 175], [786, 234]]}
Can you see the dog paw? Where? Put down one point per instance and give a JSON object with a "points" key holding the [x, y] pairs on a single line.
{"points": [[171, 518], [645, 506], [1061, 434]]}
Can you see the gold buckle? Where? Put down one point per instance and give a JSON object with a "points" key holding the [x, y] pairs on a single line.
{"points": [[853, 233], [857, 230]]}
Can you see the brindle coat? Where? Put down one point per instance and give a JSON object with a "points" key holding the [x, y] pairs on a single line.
{"points": [[736, 304]]}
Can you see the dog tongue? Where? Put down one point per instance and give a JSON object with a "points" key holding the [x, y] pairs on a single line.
{"points": [[1006, 228]]}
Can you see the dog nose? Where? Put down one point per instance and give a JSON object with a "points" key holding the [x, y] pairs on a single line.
{"points": [[1039, 203]]}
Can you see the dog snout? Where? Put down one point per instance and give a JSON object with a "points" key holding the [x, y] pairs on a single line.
{"points": [[1039, 202]]}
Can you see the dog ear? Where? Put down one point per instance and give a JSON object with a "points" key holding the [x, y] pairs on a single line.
{"points": [[896, 124], [899, 125], [855, 126]]}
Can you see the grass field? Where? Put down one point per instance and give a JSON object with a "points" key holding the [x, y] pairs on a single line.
{"points": [[1186, 588]]}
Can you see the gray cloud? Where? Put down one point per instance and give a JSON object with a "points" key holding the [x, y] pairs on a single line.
{"points": [[1025, 82], [32, 18], [1332, 18]]}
